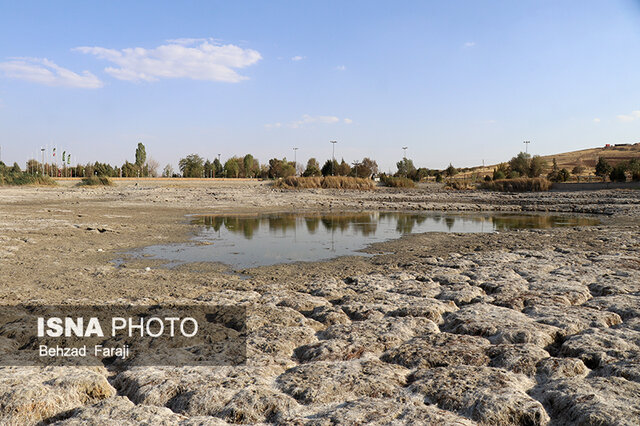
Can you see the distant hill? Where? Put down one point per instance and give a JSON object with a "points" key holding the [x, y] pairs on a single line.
{"points": [[614, 154]]}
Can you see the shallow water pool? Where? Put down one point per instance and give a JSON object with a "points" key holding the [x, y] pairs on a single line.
{"points": [[245, 241]]}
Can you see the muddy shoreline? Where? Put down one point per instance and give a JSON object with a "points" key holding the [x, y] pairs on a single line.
{"points": [[341, 340]]}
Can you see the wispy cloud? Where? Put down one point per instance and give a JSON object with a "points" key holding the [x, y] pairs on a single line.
{"points": [[297, 58], [596, 120], [340, 68], [196, 59], [44, 71], [307, 120], [469, 44], [626, 118]]}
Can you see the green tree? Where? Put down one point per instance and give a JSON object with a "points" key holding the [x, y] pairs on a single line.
{"points": [[232, 168], [634, 168], [405, 167], [141, 155], [247, 162], [501, 171], [15, 168], [128, 170], [451, 171], [520, 164], [218, 168], [537, 165], [329, 168], [563, 175], [618, 173], [578, 170], [370, 166], [192, 166], [603, 168], [313, 168], [208, 169], [167, 171], [343, 169]]}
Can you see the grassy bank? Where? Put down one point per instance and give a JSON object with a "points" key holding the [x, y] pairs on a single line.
{"points": [[333, 182]]}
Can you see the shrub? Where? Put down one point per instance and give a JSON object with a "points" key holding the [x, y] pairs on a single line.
{"points": [[603, 168], [618, 173], [333, 182], [457, 185], [397, 182], [518, 185], [25, 179], [96, 181], [562, 175]]}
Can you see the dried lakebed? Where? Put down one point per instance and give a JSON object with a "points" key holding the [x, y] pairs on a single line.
{"points": [[532, 326]]}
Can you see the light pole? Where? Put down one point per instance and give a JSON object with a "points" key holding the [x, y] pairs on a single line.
{"points": [[355, 167], [42, 151], [526, 146], [219, 162], [295, 162], [333, 156], [405, 151]]}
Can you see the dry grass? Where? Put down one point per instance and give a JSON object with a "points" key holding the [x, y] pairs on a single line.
{"points": [[334, 182], [460, 185], [568, 160], [398, 182], [25, 179], [518, 185], [96, 181]]}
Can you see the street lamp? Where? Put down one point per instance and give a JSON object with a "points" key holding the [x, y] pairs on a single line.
{"points": [[405, 151], [295, 162], [333, 156], [355, 167], [526, 146]]}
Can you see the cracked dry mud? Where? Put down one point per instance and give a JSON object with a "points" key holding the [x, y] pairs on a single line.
{"points": [[518, 327]]}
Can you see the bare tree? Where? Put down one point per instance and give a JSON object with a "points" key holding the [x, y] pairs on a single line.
{"points": [[152, 167]]}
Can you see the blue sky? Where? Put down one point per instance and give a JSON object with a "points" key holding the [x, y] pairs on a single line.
{"points": [[456, 81]]}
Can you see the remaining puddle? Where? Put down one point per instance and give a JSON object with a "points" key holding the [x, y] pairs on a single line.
{"points": [[247, 241]]}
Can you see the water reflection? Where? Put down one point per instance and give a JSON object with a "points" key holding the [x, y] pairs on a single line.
{"points": [[366, 224], [255, 240]]}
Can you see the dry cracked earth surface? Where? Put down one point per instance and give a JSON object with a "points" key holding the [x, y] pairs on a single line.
{"points": [[516, 327]]}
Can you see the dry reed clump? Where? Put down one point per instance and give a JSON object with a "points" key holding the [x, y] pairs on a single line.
{"points": [[96, 181], [326, 182], [25, 179], [460, 186], [518, 185], [398, 182]]}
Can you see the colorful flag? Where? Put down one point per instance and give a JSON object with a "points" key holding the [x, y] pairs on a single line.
{"points": [[54, 152], [69, 159], [63, 154]]}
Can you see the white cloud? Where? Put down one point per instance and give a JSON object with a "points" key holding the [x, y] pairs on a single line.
{"points": [[340, 68], [297, 58], [44, 71], [197, 59], [596, 120], [635, 115], [470, 44], [310, 120]]}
